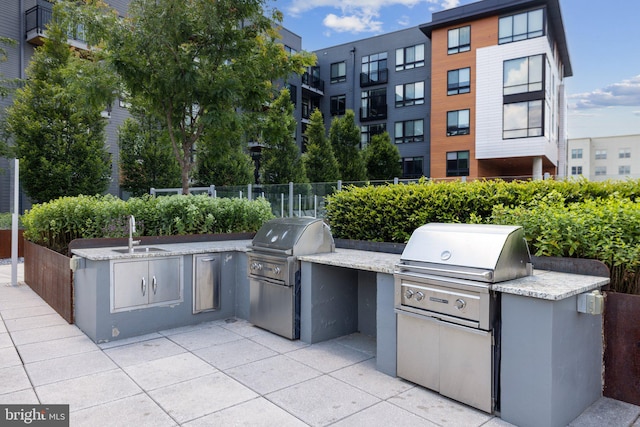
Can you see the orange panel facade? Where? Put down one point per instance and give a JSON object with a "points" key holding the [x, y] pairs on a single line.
{"points": [[484, 32]]}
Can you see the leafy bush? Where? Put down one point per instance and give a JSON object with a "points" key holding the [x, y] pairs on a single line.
{"points": [[6, 221], [55, 224]]}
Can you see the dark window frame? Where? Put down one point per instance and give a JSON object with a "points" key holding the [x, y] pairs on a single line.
{"points": [[410, 65], [530, 130], [454, 128], [457, 167], [510, 21], [412, 167], [336, 77], [407, 102], [454, 87], [407, 137], [337, 105], [461, 45]]}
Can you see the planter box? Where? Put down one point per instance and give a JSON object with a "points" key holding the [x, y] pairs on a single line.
{"points": [[47, 272], [622, 347], [5, 244]]}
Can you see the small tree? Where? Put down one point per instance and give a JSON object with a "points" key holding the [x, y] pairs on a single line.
{"points": [[146, 156], [281, 162], [56, 122], [319, 160], [382, 158], [220, 156], [6, 85], [344, 135]]}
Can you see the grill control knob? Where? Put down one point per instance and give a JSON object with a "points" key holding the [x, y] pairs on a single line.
{"points": [[460, 304], [254, 265], [419, 296], [259, 266], [408, 294], [276, 270]]}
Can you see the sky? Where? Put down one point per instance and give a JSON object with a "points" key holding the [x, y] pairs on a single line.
{"points": [[603, 38]]}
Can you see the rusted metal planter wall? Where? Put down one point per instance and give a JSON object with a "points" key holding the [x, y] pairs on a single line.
{"points": [[622, 347], [5, 243], [47, 272]]}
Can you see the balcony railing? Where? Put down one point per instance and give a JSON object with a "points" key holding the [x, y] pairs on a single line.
{"points": [[374, 78], [313, 82], [376, 112], [36, 20]]}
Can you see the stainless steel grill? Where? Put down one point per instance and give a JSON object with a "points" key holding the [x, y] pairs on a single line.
{"points": [[274, 271], [448, 314]]}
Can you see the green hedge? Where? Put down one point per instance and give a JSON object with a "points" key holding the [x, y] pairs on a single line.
{"points": [[580, 219], [55, 224]]}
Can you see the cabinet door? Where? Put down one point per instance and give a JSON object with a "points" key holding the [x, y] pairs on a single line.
{"points": [[164, 280], [418, 352], [206, 283], [130, 285]]}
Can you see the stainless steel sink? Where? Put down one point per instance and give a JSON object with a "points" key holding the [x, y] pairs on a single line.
{"points": [[139, 250]]}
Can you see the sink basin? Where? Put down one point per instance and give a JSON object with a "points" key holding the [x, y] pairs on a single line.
{"points": [[139, 250]]}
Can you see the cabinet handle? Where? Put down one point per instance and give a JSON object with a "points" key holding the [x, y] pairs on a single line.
{"points": [[143, 287], [207, 259], [154, 285]]}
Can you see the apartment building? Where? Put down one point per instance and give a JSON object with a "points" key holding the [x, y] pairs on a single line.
{"points": [[497, 89], [602, 158], [385, 80], [476, 92]]}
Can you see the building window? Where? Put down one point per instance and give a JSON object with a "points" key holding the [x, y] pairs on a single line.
{"points": [[290, 50], [412, 167], [410, 57], [374, 69], [409, 131], [373, 104], [522, 120], [522, 26], [369, 131], [624, 170], [576, 170], [601, 170], [410, 94], [458, 163], [338, 104], [601, 154], [338, 72], [624, 153], [458, 81], [458, 122], [459, 40], [576, 153], [523, 75]]}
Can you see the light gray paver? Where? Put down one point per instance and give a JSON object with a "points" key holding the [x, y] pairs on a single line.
{"points": [[274, 373], [67, 367], [14, 378], [339, 400], [365, 376], [51, 349], [17, 313], [89, 390], [144, 351], [22, 397], [234, 353], [5, 340], [201, 396], [328, 356], [438, 409], [254, 413], [204, 337], [384, 414], [32, 322], [9, 357], [277, 343], [168, 370], [48, 333], [138, 411], [607, 411]]}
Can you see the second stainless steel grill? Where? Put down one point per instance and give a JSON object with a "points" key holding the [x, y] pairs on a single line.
{"points": [[448, 314], [274, 271]]}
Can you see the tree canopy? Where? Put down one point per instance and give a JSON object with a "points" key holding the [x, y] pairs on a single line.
{"points": [[281, 162], [193, 61], [344, 135], [319, 160], [56, 122], [382, 158]]}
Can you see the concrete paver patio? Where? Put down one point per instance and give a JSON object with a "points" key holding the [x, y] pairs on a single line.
{"points": [[218, 373]]}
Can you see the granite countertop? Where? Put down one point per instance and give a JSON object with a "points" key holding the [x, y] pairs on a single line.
{"points": [[378, 262], [108, 253], [551, 285]]}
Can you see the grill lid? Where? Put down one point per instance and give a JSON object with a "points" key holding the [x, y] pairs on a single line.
{"points": [[294, 236], [485, 252]]}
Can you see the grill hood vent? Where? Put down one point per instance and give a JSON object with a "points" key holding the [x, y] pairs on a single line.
{"points": [[294, 236]]}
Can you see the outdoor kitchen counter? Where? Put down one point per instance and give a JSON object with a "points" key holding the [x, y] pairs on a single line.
{"points": [[551, 285], [377, 262], [171, 249]]}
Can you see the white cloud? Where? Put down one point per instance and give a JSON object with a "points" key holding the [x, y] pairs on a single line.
{"points": [[353, 23], [359, 16], [636, 113], [404, 21], [624, 93]]}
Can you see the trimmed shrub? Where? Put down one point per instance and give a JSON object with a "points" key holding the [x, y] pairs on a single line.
{"points": [[55, 224]]}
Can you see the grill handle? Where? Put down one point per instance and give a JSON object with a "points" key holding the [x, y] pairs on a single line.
{"points": [[484, 275], [280, 252]]}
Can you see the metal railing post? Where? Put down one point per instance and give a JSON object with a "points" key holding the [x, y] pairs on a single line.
{"points": [[290, 199]]}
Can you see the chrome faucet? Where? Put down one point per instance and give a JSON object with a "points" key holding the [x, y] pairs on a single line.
{"points": [[132, 229]]}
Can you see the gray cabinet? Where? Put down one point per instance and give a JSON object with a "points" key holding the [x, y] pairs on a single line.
{"points": [[206, 282], [145, 282]]}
